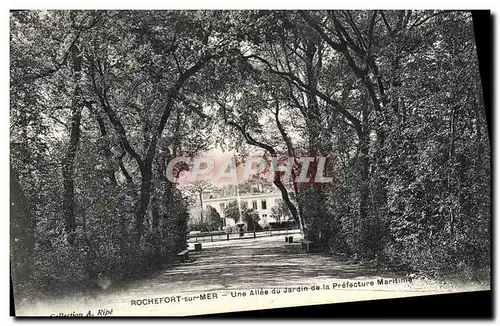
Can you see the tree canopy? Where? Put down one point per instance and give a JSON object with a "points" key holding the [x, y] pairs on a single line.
{"points": [[103, 101]]}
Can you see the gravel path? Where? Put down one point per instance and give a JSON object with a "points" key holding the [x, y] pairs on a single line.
{"points": [[228, 267]]}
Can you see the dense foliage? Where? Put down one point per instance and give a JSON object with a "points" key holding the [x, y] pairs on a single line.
{"points": [[393, 99], [99, 107], [240, 212]]}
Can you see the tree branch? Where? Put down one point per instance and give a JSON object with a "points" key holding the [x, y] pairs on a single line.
{"points": [[297, 82]]}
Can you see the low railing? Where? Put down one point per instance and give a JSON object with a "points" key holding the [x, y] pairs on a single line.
{"points": [[226, 236]]}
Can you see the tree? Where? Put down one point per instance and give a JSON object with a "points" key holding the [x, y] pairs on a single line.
{"points": [[199, 187], [214, 218], [106, 98], [248, 216], [280, 211], [102, 101], [171, 47]]}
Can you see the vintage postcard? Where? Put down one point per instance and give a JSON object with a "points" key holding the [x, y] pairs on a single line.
{"points": [[190, 162]]}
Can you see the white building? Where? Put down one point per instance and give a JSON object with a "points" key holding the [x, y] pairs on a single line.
{"points": [[260, 202]]}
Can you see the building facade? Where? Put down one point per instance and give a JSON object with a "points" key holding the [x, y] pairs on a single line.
{"points": [[262, 203]]}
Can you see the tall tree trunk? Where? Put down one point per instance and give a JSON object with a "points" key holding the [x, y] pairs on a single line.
{"points": [[368, 244], [123, 169], [201, 205], [22, 227], [167, 190], [144, 199], [158, 182], [155, 212], [106, 149], [364, 197], [314, 140], [276, 180], [291, 153], [69, 159]]}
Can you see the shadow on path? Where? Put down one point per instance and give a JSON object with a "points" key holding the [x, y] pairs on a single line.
{"points": [[262, 262]]}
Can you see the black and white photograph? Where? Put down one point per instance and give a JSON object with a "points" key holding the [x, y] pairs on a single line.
{"points": [[195, 162]]}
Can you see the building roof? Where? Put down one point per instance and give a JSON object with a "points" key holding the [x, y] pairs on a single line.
{"points": [[243, 196]]}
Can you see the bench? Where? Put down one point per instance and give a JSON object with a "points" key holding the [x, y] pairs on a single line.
{"points": [[183, 255], [197, 246], [306, 245], [289, 238]]}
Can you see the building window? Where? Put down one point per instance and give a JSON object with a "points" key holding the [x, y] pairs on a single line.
{"points": [[254, 204], [264, 215], [264, 204]]}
